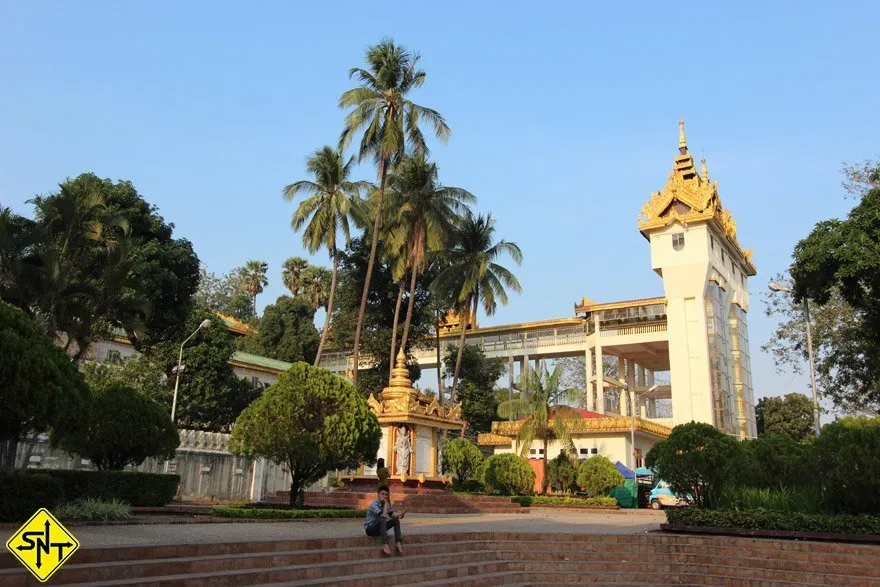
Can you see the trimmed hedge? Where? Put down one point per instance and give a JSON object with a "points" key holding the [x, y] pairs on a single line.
{"points": [[22, 495], [767, 520], [275, 514], [528, 500], [135, 489]]}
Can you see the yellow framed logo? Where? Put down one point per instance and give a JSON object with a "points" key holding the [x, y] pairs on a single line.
{"points": [[42, 545]]}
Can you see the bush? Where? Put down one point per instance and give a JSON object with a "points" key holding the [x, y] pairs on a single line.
{"points": [[528, 500], [765, 520], [462, 460], [136, 489], [509, 474], [22, 495], [697, 460], [276, 514], [123, 428], [805, 500], [597, 476], [94, 509], [848, 464], [772, 461], [561, 472]]}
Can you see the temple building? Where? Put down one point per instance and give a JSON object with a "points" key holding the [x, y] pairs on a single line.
{"points": [[653, 363]]}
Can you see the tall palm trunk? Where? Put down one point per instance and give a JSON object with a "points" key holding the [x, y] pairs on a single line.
{"points": [[394, 327], [465, 319], [326, 330], [366, 291], [409, 308]]}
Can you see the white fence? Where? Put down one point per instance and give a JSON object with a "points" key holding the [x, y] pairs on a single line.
{"points": [[208, 472]]}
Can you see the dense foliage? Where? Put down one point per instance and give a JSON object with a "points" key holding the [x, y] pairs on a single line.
{"points": [[94, 510], [767, 520], [562, 472], [848, 464], [310, 421], [771, 461], [25, 494], [286, 332], [40, 386], [122, 428], [697, 460], [462, 460], [790, 416], [137, 489], [509, 474], [478, 375], [597, 476]]}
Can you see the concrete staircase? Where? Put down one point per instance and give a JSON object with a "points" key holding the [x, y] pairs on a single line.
{"points": [[424, 502], [480, 558]]}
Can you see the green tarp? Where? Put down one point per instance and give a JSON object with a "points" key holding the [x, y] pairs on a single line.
{"points": [[626, 495]]}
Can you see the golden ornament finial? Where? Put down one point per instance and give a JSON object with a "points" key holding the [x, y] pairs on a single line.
{"points": [[682, 140], [704, 171]]}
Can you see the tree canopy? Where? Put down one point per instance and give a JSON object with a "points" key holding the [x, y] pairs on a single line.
{"points": [[598, 475], [40, 387], [790, 416], [286, 332], [312, 422], [478, 374]]}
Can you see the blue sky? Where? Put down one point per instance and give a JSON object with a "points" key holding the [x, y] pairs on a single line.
{"points": [[564, 120]]}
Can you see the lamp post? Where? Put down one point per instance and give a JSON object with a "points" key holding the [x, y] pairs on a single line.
{"points": [[776, 286], [205, 324], [632, 424]]}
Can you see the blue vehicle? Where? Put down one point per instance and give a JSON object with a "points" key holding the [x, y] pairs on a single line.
{"points": [[661, 496]]}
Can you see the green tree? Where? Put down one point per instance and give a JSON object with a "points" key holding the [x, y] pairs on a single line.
{"points": [[462, 460], [317, 284], [287, 332], [252, 277], [844, 256], [848, 464], [697, 460], [773, 461], [509, 474], [210, 396], [40, 387], [471, 272], [291, 273], [562, 472], [479, 405], [324, 212], [478, 374], [310, 421], [123, 428], [598, 475], [427, 214], [790, 416], [381, 108], [546, 418]]}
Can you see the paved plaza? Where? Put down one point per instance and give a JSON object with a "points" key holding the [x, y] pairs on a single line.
{"points": [[538, 521]]}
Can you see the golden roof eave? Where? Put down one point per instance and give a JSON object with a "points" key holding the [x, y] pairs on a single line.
{"points": [[517, 326], [594, 307], [489, 439], [607, 425]]}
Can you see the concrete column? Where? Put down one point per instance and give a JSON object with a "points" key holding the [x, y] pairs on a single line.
{"points": [[525, 371], [650, 380], [643, 408], [588, 386], [631, 383], [600, 381], [652, 408], [640, 376], [538, 364]]}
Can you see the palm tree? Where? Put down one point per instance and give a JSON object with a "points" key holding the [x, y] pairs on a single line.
{"points": [[473, 276], [427, 214], [317, 287], [291, 274], [547, 417], [253, 279], [325, 210], [380, 107]]}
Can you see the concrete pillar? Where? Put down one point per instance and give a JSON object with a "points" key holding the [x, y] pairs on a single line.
{"points": [[640, 376], [631, 383], [600, 381], [525, 371], [510, 380], [588, 386], [650, 381], [652, 408]]}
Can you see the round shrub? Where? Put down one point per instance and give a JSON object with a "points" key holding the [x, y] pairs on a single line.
{"points": [[561, 472], [462, 460], [597, 476], [24, 494], [848, 464], [509, 474]]}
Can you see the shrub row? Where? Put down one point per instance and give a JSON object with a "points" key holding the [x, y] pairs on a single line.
{"points": [[767, 520], [276, 514], [21, 495], [134, 488], [528, 500]]}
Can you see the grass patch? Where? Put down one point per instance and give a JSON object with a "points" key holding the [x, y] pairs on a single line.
{"points": [[760, 519], [787, 500], [94, 509], [284, 514]]}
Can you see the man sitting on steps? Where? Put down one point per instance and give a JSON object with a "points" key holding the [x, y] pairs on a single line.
{"points": [[380, 516]]}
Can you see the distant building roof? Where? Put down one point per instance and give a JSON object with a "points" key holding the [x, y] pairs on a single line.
{"points": [[251, 361], [236, 326]]}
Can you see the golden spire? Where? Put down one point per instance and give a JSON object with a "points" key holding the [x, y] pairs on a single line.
{"points": [[400, 374], [682, 140], [704, 171]]}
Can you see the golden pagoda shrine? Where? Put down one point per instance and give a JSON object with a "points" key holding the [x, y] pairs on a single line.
{"points": [[414, 428]]}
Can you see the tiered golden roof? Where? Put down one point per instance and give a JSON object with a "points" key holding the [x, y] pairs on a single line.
{"points": [[401, 403], [604, 425], [691, 197]]}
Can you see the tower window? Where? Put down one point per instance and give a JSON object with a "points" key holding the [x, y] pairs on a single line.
{"points": [[678, 241]]}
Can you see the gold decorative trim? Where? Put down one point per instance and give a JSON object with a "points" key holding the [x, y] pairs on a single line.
{"points": [[489, 439], [594, 307], [592, 426], [518, 326]]}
